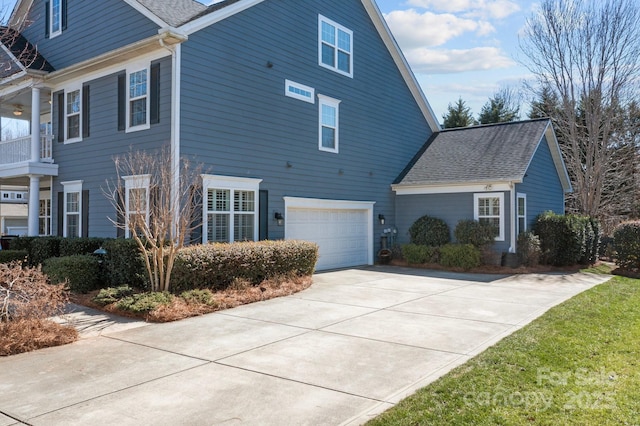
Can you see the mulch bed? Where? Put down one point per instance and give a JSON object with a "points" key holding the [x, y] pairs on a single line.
{"points": [[26, 335]]}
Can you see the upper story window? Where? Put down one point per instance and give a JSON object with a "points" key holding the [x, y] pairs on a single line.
{"points": [[73, 115], [138, 104], [489, 208], [328, 124], [335, 46], [56, 17]]}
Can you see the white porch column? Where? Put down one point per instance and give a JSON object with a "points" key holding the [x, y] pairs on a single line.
{"points": [[34, 205], [35, 128]]}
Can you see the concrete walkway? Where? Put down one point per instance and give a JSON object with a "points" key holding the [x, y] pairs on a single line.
{"points": [[340, 352]]}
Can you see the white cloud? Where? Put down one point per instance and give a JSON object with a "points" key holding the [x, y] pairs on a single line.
{"points": [[485, 9], [445, 61], [413, 29]]}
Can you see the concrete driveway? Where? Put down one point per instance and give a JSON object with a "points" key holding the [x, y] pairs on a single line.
{"points": [[349, 347]]}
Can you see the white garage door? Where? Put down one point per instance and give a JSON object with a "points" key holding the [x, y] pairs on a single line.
{"points": [[343, 235]]}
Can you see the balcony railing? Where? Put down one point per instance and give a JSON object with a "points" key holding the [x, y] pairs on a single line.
{"points": [[19, 150]]}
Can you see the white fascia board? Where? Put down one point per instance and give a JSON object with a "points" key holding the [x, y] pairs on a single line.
{"points": [[217, 16], [19, 15], [401, 62], [28, 168], [453, 188], [558, 161]]}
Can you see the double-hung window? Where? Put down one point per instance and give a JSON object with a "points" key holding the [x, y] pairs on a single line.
{"points": [[72, 206], [55, 10], [138, 100], [136, 202], [522, 213], [44, 216], [230, 209], [489, 208], [72, 111], [335, 46], [328, 124]]}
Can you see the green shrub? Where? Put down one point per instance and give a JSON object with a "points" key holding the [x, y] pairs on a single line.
{"points": [[199, 297], [125, 263], [82, 272], [464, 256], [144, 302], [7, 256], [112, 294], [22, 243], [529, 249], [43, 248], [417, 254], [626, 243], [475, 233], [216, 266], [430, 231], [567, 240], [72, 246]]}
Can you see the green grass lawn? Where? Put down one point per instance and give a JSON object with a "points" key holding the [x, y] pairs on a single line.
{"points": [[577, 364]]}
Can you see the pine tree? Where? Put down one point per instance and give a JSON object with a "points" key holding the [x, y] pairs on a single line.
{"points": [[501, 108], [458, 115]]}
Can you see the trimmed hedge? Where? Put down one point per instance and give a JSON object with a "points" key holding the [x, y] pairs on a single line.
{"points": [[529, 252], [475, 233], [430, 231], [417, 254], [626, 243], [567, 240], [464, 256], [216, 266], [43, 248], [7, 256], [81, 272], [73, 246], [125, 263]]}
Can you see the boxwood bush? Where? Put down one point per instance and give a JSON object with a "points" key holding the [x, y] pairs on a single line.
{"points": [[7, 256], [43, 248], [567, 240], [125, 263], [529, 249], [417, 254], [71, 246], [430, 231], [475, 233], [82, 272], [464, 256], [216, 266], [626, 244]]}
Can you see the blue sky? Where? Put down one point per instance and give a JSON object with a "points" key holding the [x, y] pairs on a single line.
{"points": [[466, 48]]}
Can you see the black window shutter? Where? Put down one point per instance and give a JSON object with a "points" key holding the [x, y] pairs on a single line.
{"points": [[85, 213], [263, 215], [60, 109], [47, 19], [60, 218], [120, 222], [64, 15], [154, 95], [85, 111], [122, 101]]}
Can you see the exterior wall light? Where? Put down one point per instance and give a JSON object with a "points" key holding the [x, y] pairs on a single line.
{"points": [[381, 219], [279, 218]]}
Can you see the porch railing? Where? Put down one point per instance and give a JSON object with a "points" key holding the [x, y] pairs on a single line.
{"points": [[19, 149]]}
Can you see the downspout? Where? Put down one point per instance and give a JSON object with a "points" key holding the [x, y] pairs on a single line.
{"points": [[514, 216], [175, 127]]}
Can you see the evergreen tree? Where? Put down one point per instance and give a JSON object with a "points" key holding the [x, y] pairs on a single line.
{"points": [[458, 115], [501, 108], [546, 106]]}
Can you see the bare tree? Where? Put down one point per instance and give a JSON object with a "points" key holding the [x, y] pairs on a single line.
{"points": [[156, 206], [588, 55]]}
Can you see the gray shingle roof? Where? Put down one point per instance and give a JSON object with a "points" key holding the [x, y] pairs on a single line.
{"points": [[174, 12], [497, 152]]}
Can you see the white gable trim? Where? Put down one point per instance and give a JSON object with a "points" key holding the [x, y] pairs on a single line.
{"points": [[453, 188], [146, 12], [217, 16], [401, 63], [558, 161]]}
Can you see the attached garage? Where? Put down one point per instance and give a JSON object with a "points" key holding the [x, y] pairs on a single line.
{"points": [[342, 229]]}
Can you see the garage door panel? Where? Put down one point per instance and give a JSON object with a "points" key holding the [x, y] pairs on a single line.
{"points": [[341, 235]]}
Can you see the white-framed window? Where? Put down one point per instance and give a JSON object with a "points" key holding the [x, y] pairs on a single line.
{"points": [[489, 208], [299, 91], [72, 111], [55, 18], [328, 124], [522, 213], [44, 215], [136, 201], [137, 112], [335, 46], [72, 220], [230, 208]]}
